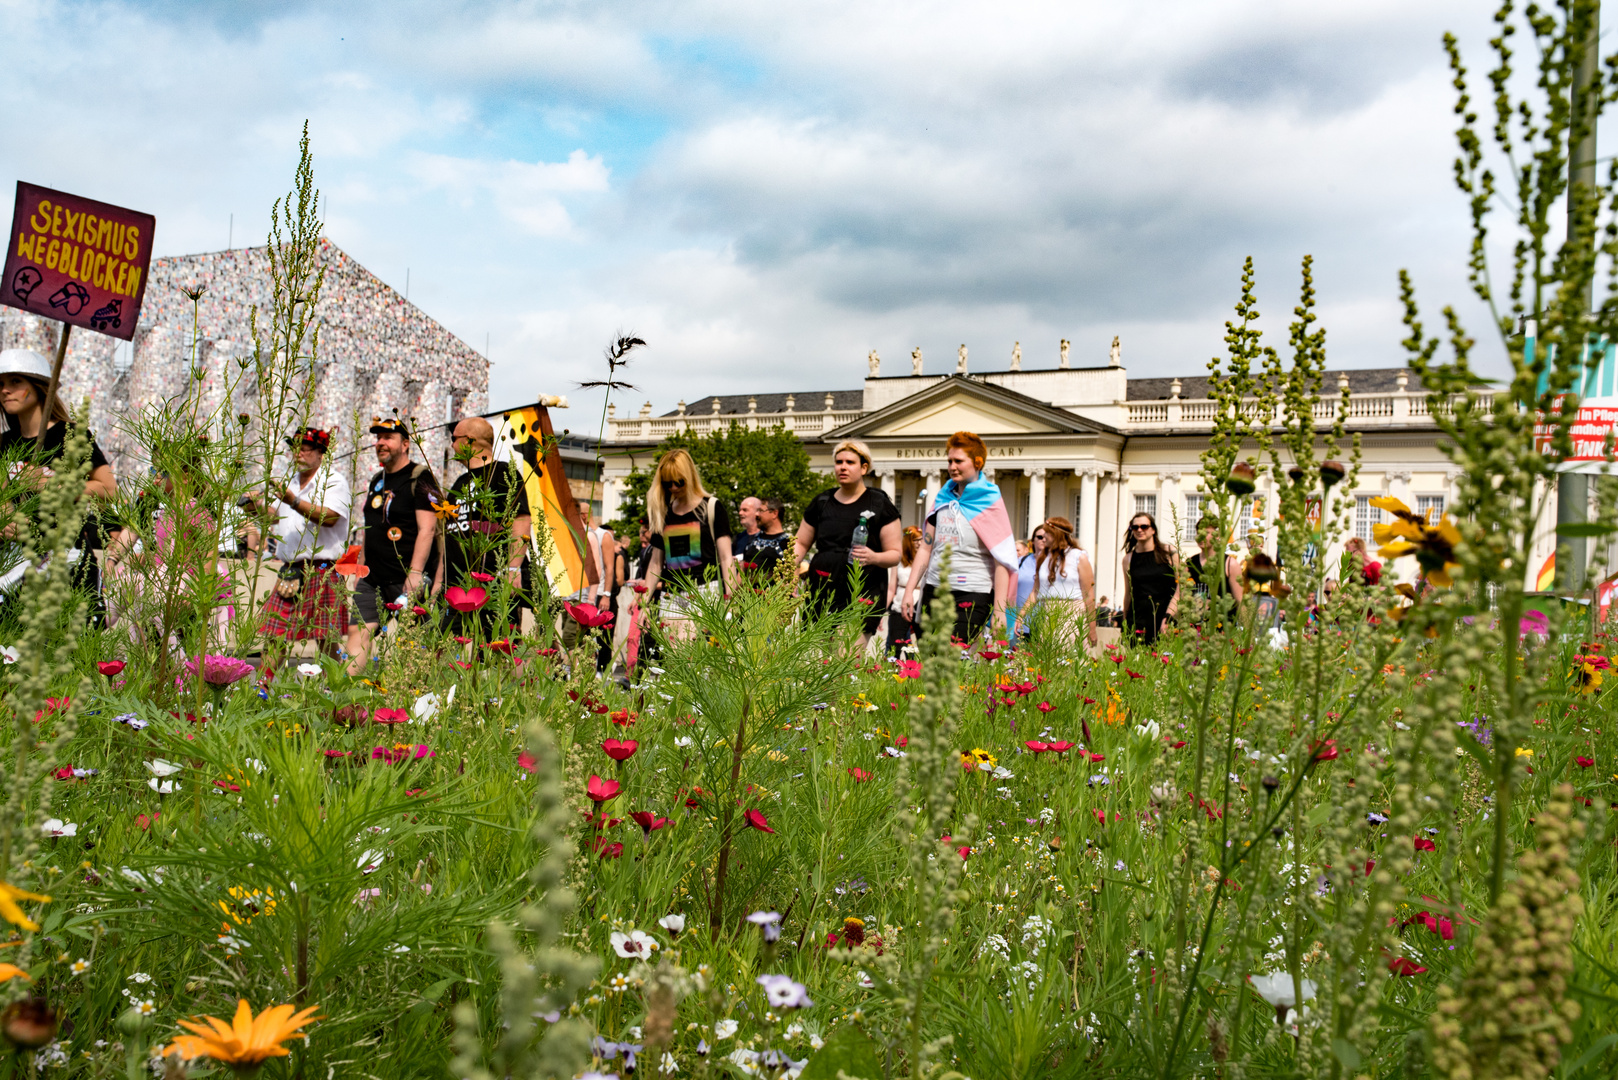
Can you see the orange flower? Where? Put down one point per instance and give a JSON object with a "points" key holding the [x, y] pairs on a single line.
{"points": [[12, 971], [247, 1041]]}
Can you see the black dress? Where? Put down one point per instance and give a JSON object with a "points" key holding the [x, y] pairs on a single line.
{"points": [[1151, 587], [86, 575], [830, 571]]}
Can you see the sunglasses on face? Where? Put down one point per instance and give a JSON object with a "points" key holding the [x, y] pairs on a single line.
{"points": [[668, 484], [1139, 528]]}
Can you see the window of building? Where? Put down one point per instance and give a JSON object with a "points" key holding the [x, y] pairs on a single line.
{"points": [[1188, 521], [1365, 516], [1146, 504], [1078, 508], [580, 470], [1430, 506]]}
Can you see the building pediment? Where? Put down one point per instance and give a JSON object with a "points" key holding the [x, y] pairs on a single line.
{"points": [[965, 404]]}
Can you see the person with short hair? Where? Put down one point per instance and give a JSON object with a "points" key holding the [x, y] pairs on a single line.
{"points": [[969, 518], [850, 525], [770, 542], [398, 551], [486, 527], [309, 536], [741, 545]]}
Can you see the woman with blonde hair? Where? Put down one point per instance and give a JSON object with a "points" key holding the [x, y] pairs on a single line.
{"points": [[690, 537], [1064, 583], [850, 525]]}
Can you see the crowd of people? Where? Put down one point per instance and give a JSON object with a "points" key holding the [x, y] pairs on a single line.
{"points": [[416, 540]]}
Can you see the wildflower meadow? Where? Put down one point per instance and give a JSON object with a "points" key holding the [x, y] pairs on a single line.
{"points": [[1371, 838]]}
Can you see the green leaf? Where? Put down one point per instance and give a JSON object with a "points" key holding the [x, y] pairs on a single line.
{"points": [[1346, 1053], [849, 1049], [1582, 528]]}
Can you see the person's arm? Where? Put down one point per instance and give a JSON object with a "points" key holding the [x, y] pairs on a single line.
{"points": [[426, 533], [918, 570], [654, 571], [802, 542], [101, 483], [1087, 585], [1233, 577], [1174, 601], [889, 555], [609, 567], [1001, 577], [309, 509], [520, 525], [1124, 607], [1033, 597], [728, 570]]}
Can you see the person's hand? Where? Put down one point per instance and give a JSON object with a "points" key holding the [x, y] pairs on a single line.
{"points": [[908, 606], [863, 554], [603, 601], [413, 582], [998, 618], [1095, 636]]}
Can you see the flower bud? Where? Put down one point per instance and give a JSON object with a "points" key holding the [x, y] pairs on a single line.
{"points": [[132, 1022], [1270, 784], [1332, 472], [29, 1023], [1295, 473], [1241, 479], [1261, 568]]}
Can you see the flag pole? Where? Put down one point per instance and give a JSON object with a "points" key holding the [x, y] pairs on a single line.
{"points": [[56, 381]]}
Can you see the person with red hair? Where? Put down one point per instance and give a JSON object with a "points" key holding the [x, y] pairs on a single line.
{"points": [[969, 518]]}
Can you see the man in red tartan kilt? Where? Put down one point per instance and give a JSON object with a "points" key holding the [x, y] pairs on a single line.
{"points": [[310, 535]]}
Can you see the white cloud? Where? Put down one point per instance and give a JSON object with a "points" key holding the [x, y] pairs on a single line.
{"points": [[526, 193]]}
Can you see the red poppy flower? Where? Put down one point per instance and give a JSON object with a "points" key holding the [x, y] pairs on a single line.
{"points": [[590, 618], [606, 850], [1089, 701], [1325, 751], [757, 820], [1424, 844], [638, 586], [859, 774], [1101, 816], [349, 564], [1117, 659], [227, 787], [411, 793], [481, 578], [459, 640], [1045, 706], [1133, 674], [390, 716], [1037, 747], [1059, 747], [64, 773], [1403, 965], [335, 753], [648, 821], [902, 741], [1097, 757], [143, 822], [1585, 762], [53, 705], [526, 762], [418, 611], [987, 654], [620, 749], [394, 606], [601, 790], [462, 664], [1176, 745], [600, 710], [623, 717], [465, 600], [109, 668], [963, 851]]}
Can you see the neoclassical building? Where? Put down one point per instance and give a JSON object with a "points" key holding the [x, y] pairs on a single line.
{"points": [[1088, 443]]}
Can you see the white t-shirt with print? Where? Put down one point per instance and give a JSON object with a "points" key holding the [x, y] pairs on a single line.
{"points": [[971, 567]]}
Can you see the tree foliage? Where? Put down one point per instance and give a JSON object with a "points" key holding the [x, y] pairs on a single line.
{"points": [[736, 463]]}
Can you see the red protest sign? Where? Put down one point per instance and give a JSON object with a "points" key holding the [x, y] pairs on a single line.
{"points": [[77, 260]]}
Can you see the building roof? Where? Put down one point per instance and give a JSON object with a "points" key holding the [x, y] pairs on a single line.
{"points": [[807, 401], [1360, 381]]}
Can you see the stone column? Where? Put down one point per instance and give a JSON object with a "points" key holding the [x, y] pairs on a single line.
{"points": [[1399, 485], [1169, 510], [1087, 508], [1036, 499], [888, 479], [935, 481]]}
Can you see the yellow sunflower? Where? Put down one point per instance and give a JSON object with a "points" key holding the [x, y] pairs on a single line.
{"points": [[1412, 534]]}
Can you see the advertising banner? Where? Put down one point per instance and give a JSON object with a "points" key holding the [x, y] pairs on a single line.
{"points": [[1597, 388], [77, 260]]}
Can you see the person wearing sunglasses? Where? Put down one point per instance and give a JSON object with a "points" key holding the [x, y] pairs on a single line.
{"points": [[1151, 581], [690, 534]]}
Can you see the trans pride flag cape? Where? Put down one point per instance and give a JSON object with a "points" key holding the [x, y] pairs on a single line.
{"points": [[982, 505]]}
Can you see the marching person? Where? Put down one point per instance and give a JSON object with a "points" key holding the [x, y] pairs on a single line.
{"points": [[901, 631], [742, 543], [771, 540], [310, 534], [1064, 583], [1151, 584], [488, 532], [968, 517], [850, 525], [400, 528], [690, 535], [25, 378], [1027, 567]]}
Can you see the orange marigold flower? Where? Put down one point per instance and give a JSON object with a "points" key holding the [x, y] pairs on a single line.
{"points": [[247, 1041]]}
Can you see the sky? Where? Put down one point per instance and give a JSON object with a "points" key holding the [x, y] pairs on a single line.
{"points": [[765, 192]]}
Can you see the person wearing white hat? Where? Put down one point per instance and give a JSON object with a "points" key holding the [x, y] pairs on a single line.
{"points": [[25, 378]]}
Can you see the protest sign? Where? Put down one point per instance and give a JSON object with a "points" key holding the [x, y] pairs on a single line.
{"points": [[76, 260]]}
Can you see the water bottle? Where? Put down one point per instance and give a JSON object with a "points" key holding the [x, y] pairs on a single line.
{"points": [[861, 536]]}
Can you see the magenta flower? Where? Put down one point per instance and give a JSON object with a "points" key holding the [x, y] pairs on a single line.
{"points": [[220, 670]]}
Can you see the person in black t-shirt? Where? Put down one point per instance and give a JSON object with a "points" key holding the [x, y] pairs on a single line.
{"points": [[771, 543], [690, 541], [24, 383], [488, 534], [400, 528], [831, 522]]}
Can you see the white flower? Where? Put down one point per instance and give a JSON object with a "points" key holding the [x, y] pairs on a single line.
{"points": [[724, 1029], [426, 707], [159, 767], [58, 827], [255, 764], [10, 653], [140, 977], [167, 787], [1276, 988], [79, 967], [985, 766], [816, 1042], [1278, 639], [309, 671], [1003, 773], [369, 861], [682, 741], [672, 923], [1148, 730], [669, 1066], [635, 943], [764, 918]]}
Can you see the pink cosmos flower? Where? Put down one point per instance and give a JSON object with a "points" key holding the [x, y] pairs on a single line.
{"points": [[220, 670]]}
